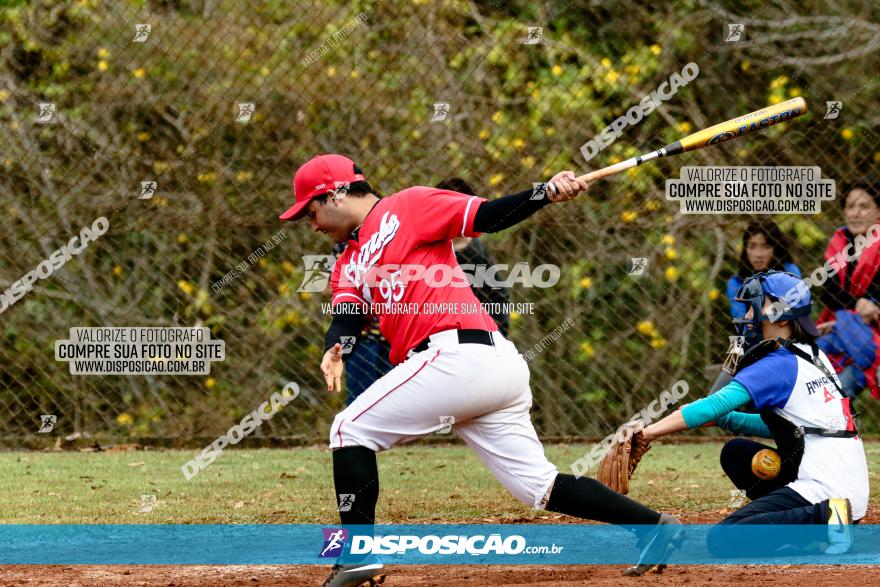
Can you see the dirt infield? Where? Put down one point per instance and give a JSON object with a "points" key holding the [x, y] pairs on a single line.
{"points": [[476, 576], [221, 576], [423, 575]]}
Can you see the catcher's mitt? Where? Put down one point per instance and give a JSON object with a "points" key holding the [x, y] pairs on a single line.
{"points": [[620, 463]]}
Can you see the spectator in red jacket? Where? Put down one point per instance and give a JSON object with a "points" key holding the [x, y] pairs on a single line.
{"points": [[856, 287]]}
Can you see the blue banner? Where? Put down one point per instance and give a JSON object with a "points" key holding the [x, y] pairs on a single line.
{"points": [[448, 544]]}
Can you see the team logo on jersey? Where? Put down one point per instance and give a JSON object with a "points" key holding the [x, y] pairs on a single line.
{"points": [[817, 384], [334, 541], [370, 253]]}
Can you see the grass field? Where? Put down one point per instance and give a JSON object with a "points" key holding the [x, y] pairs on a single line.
{"points": [[419, 484]]}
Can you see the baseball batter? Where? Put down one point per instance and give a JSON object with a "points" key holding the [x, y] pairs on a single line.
{"points": [[450, 366]]}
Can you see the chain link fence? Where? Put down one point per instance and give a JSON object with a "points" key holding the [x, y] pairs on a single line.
{"points": [[181, 123]]}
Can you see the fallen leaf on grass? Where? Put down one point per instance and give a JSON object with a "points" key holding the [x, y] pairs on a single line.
{"points": [[123, 447], [137, 464]]}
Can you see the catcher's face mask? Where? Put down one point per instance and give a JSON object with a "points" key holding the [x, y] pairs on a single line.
{"points": [[754, 293]]}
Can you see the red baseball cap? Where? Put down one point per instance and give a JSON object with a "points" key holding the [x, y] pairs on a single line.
{"points": [[317, 176]]}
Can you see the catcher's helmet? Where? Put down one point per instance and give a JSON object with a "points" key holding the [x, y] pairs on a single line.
{"points": [[782, 287]]}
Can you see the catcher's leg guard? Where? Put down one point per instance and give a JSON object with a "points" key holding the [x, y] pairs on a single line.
{"points": [[783, 506]]}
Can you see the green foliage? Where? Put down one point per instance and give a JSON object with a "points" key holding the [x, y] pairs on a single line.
{"points": [[164, 110]]}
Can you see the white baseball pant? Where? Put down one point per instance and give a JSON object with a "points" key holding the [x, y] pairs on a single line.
{"points": [[484, 388]]}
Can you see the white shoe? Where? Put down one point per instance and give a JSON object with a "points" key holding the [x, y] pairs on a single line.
{"points": [[663, 541], [366, 574]]}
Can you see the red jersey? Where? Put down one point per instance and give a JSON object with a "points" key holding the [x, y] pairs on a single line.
{"points": [[381, 267]]}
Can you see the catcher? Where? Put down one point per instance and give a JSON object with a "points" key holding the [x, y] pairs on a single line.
{"points": [[817, 473]]}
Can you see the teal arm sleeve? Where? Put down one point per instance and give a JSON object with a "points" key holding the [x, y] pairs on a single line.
{"points": [[743, 424], [719, 407]]}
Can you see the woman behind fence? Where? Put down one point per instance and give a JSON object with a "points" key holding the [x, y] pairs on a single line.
{"points": [[851, 297], [764, 247]]}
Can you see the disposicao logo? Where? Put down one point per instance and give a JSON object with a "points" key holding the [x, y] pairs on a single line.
{"points": [[334, 541]]}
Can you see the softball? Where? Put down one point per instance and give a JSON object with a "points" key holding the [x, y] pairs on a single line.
{"points": [[766, 464]]}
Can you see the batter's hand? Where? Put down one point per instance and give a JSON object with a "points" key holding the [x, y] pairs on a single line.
{"points": [[567, 186], [331, 366]]}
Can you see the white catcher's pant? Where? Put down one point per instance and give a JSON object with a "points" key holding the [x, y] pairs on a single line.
{"points": [[484, 388]]}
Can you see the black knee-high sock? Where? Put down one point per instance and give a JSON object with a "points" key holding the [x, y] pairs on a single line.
{"points": [[586, 498], [356, 477]]}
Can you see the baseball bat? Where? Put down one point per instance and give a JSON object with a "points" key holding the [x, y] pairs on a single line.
{"points": [[725, 131]]}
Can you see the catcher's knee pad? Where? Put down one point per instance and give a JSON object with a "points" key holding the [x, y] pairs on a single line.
{"points": [[737, 458]]}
